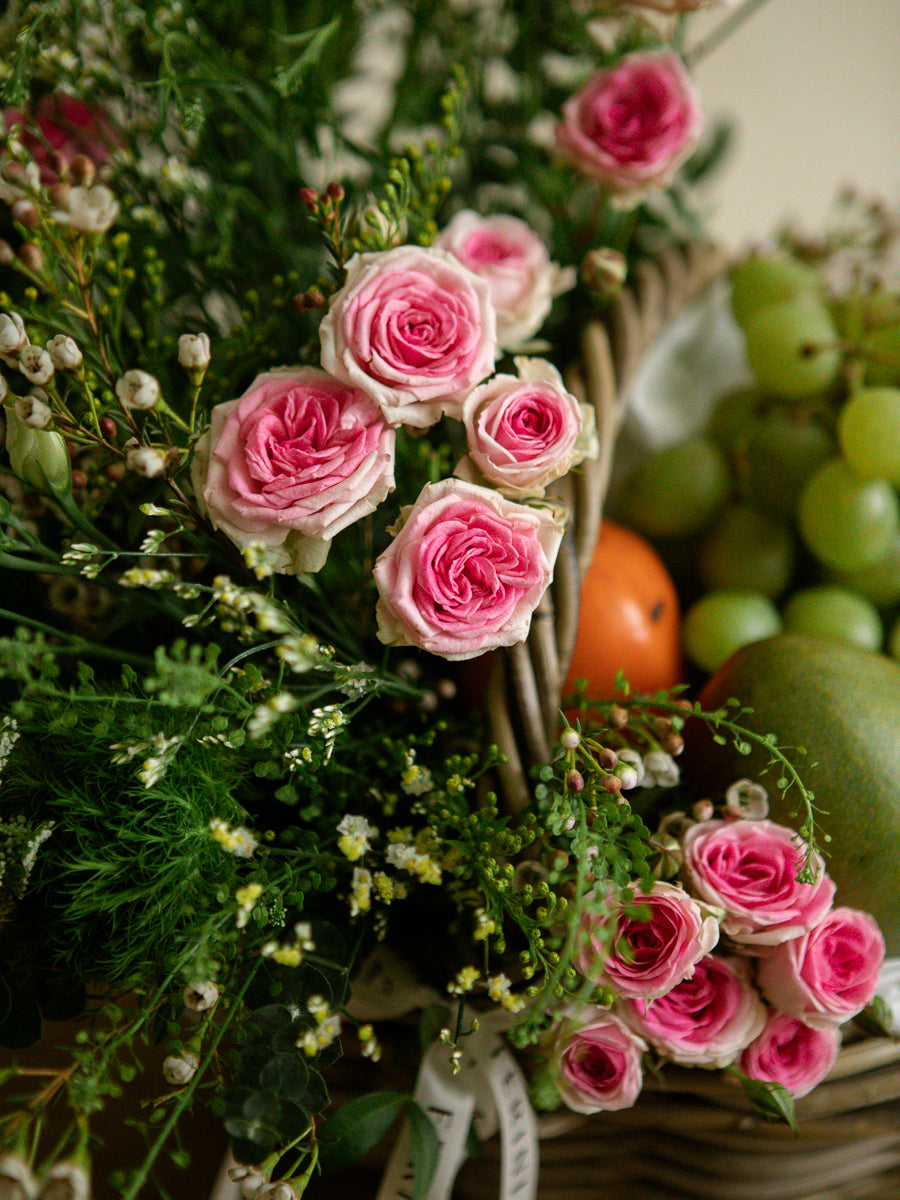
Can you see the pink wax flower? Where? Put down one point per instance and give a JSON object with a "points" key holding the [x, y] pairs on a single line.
{"points": [[66, 126], [465, 571], [705, 1020], [524, 432], [632, 124], [292, 462], [792, 1053], [412, 327], [749, 869], [644, 956], [598, 1062], [829, 974], [509, 255]]}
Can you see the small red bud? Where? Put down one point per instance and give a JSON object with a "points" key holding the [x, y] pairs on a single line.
{"points": [[673, 743], [108, 428], [31, 256], [608, 759], [25, 212], [335, 191], [575, 781], [309, 197], [79, 479], [611, 784], [82, 170]]}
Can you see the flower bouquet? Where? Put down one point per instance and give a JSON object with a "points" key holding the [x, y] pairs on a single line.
{"points": [[303, 442]]}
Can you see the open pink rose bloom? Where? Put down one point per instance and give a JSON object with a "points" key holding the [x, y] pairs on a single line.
{"points": [[598, 1063], [465, 572], [632, 125], [299, 457], [413, 328]]}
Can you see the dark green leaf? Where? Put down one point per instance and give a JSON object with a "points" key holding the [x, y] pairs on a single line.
{"points": [[771, 1100], [287, 1075], [357, 1127], [425, 1148], [876, 1018]]}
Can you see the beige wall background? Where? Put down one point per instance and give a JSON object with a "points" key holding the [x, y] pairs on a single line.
{"points": [[813, 87]]}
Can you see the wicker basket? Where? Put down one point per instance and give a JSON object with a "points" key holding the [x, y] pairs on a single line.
{"points": [[524, 692]]}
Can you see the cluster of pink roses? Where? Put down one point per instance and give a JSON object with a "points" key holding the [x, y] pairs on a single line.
{"points": [[411, 337], [794, 968]]}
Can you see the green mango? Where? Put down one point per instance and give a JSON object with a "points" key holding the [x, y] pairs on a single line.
{"points": [[842, 704]]}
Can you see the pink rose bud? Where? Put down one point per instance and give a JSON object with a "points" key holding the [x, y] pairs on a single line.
{"points": [[632, 124], [644, 955], [598, 1062], [414, 329], [828, 975], [792, 1053], [512, 259], [703, 1021], [292, 462], [749, 869], [525, 432], [465, 572]]}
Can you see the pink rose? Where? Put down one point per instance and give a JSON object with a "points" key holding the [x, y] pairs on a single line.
{"points": [[646, 956], [291, 463], [525, 432], [67, 127], [705, 1020], [413, 328], [791, 1053], [514, 261], [749, 869], [465, 571], [632, 124], [829, 974], [598, 1062]]}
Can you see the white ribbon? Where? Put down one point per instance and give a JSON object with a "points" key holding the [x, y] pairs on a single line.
{"points": [[490, 1090]]}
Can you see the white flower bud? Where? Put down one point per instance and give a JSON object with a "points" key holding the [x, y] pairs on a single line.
{"points": [[38, 457], [64, 353], [4, 389], [35, 364], [179, 1069], [16, 1179], [194, 351], [137, 389], [88, 209], [251, 1185], [65, 1181], [34, 411], [12, 333], [199, 997], [144, 460]]}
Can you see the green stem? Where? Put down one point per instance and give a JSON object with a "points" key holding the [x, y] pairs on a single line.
{"points": [[186, 1098], [75, 644]]}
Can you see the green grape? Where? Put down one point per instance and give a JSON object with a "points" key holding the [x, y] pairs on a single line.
{"points": [[721, 622], [733, 417], [880, 582], [832, 611], [792, 348], [782, 452], [747, 551], [846, 522], [676, 490], [869, 433], [758, 282]]}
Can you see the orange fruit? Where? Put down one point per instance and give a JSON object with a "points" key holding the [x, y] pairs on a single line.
{"points": [[629, 619]]}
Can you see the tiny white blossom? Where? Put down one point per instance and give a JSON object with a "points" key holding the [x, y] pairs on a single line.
{"points": [[200, 997], [64, 353], [12, 336], [356, 834], [630, 769], [137, 389], [88, 209], [35, 412], [660, 770], [194, 351], [35, 364], [179, 1069], [65, 1181], [145, 461]]}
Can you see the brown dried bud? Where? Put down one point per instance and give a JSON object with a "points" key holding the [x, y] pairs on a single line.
{"points": [[673, 743], [7, 254], [82, 170], [618, 716], [25, 212], [58, 194], [31, 256], [611, 784]]}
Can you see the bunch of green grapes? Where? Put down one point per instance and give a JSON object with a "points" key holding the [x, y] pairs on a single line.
{"points": [[784, 512]]}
